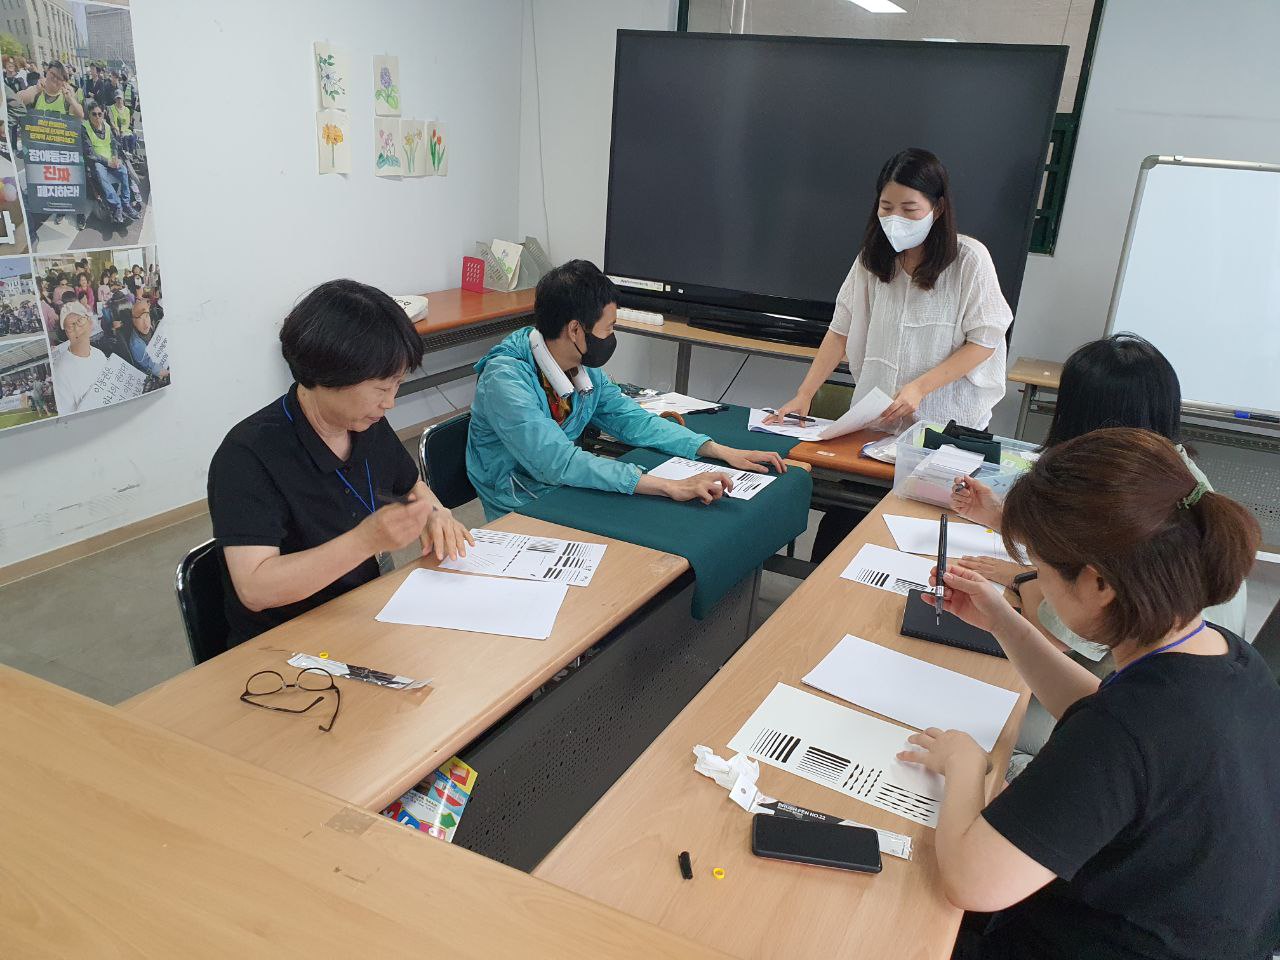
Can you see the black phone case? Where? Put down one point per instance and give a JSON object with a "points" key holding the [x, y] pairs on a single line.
{"points": [[814, 860]]}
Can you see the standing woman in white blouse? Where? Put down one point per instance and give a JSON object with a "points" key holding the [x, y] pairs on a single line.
{"points": [[920, 315]]}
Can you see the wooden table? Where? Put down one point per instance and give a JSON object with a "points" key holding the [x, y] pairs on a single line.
{"points": [[843, 456], [125, 840], [385, 741], [686, 337], [623, 853], [1034, 375], [455, 317]]}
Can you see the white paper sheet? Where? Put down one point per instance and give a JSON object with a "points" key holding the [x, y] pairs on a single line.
{"points": [[833, 746], [917, 535], [948, 462], [913, 691], [890, 570], [800, 431], [861, 415], [498, 553], [745, 485], [674, 403], [454, 601]]}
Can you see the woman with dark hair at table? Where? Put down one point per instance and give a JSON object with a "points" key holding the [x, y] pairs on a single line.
{"points": [[1145, 828], [310, 495]]}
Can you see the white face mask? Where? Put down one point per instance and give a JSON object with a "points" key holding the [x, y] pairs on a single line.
{"points": [[903, 233]]}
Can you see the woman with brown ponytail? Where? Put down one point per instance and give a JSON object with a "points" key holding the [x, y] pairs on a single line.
{"points": [[1147, 826]]}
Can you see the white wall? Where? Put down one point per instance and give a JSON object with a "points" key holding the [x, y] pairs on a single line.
{"points": [[245, 225], [1178, 76]]}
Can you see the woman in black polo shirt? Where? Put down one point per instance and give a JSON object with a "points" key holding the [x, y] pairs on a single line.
{"points": [[1146, 827], [310, 495]]}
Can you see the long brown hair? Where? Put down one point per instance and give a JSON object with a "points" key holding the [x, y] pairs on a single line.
{"points": [[918, 170], [1122, 501]]}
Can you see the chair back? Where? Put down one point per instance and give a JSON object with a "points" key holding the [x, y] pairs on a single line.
{"points": [[200, 588], [442, 451], [832, 400]]}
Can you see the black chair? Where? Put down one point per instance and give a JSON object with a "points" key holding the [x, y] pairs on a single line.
{"points": [[442, 451], [199, 585]]}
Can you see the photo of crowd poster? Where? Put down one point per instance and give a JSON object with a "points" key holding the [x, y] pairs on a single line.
{"points": [[85, 303]]}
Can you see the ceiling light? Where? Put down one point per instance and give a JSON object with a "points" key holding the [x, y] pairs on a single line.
{"points": [[940, 39], [879, 6]]}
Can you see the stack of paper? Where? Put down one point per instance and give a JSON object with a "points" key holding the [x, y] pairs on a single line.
{"points": [[453, 601], [916, 535], [934, 477], [886, 450], [502, 554], [745, 485], [913, 691]]}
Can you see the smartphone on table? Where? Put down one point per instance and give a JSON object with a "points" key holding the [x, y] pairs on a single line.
{"points": [[819, 844]]}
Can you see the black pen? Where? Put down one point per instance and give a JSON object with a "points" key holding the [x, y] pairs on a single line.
{"points": [[938, 594]]}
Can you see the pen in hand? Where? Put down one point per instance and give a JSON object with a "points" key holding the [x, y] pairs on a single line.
{"points": [[938, 590]]}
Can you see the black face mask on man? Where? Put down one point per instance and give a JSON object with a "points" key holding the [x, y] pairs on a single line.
{"points": [[599, 349]]}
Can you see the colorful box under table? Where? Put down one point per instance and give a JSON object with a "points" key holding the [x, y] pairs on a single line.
{"points": [[435, 805]]}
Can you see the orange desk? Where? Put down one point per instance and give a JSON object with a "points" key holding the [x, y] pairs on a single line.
{"points": [[456, 317]]}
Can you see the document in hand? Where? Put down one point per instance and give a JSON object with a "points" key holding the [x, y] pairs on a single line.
{"points": [[745, 485], [913, 691], [455, 601], [858, 417]]}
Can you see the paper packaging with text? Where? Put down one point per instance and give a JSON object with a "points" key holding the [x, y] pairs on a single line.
{"points": [[435, 805]]}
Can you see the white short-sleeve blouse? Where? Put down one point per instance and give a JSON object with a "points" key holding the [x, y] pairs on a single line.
{"points": [[897, 332]]}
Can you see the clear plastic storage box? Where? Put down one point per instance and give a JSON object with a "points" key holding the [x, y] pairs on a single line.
{"points": [[913, 478]]}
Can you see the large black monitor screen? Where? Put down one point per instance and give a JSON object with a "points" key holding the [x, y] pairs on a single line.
{"points": [[743, 168]]}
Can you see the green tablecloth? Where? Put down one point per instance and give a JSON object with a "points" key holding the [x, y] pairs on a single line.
{"points": [[723, 541], [730, 428]]}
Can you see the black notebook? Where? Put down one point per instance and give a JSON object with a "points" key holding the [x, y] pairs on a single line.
{"points": [[920, 621]]}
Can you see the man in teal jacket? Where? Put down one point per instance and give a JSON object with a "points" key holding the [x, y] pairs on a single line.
{"points": [[542, 386]]}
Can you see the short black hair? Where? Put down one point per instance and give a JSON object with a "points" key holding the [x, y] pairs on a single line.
{"points": [[919, 170], [70, 296], [344, 332], [576, 290], [1121, 381]]}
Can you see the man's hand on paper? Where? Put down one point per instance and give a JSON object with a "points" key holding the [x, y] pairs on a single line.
{"points": [[943, 751], [749, 461], [707, 487]]}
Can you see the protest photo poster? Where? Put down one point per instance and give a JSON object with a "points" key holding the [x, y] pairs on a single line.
{"points": [[81, 298]]}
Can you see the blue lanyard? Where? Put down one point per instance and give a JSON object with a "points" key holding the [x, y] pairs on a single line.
{"points": [[368, 474], [1152, 653]]}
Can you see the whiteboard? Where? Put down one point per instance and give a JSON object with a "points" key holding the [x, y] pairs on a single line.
{"points": [[1200, 278]]}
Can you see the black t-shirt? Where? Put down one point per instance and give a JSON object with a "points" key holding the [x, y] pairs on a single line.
{"points": [[274, 483], [1156, 802]]}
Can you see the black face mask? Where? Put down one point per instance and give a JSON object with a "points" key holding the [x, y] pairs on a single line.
{"points": [[599, 349]]}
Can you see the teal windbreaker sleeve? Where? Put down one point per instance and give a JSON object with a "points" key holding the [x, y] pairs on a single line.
{"points": [[539, 444], [620, 416]]}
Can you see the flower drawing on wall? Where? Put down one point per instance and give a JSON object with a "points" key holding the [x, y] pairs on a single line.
{"points": [[387, 87], [332, 136], [436, 147], [331, 80], [412, 143], [387, 156]]}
